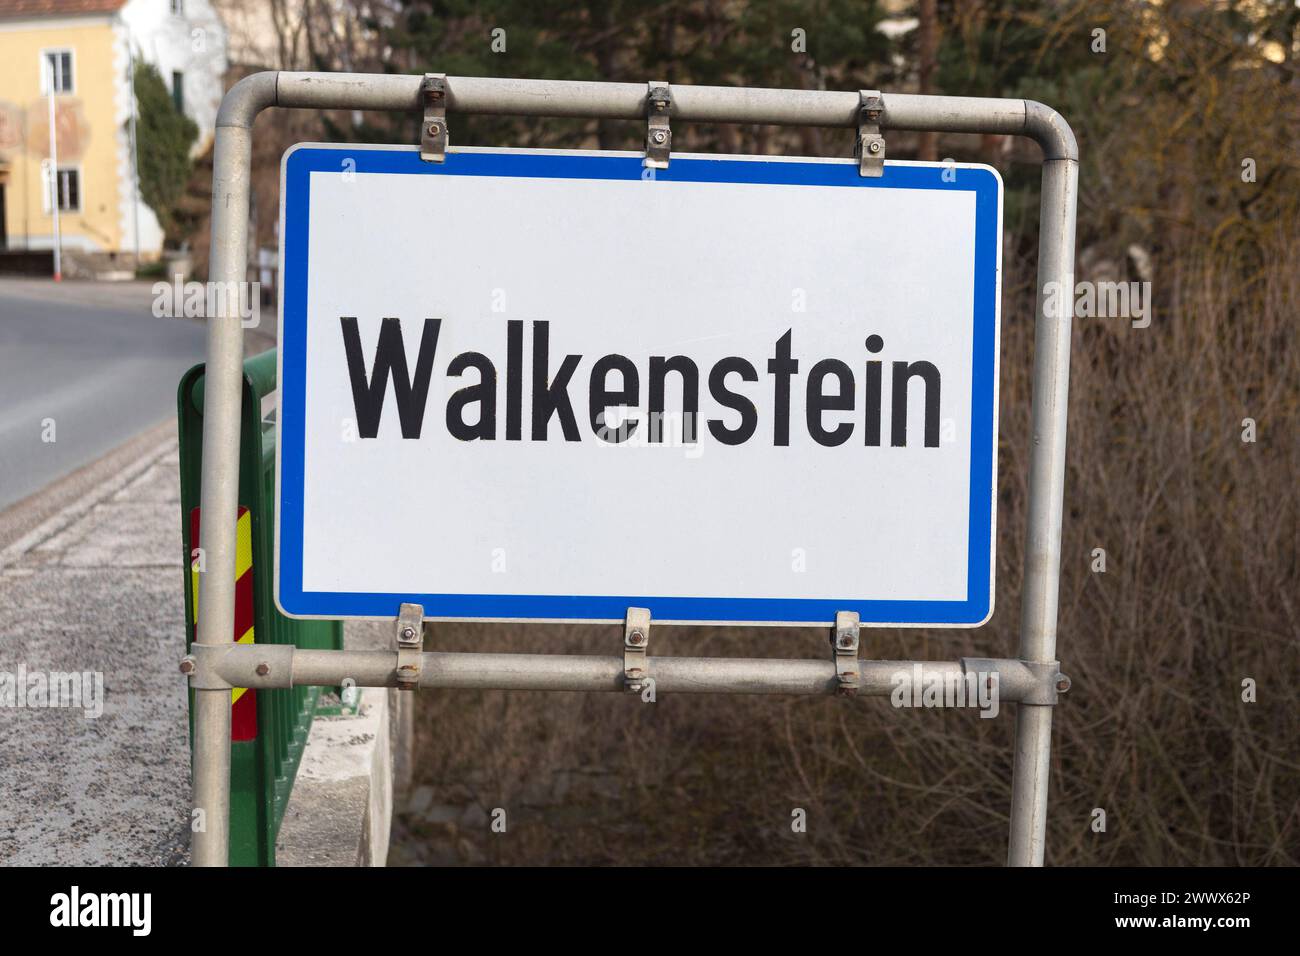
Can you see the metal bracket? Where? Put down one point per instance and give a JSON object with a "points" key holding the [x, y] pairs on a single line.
{"points": [[410, 645], [1037, 682], [224, 666], [1051, 682], [636, 643], [659, 137], [871, 145], [433, 128], [844, 640], [200, 666]]}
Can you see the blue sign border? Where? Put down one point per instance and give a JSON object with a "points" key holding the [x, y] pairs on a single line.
{"points": [[302, 161]]}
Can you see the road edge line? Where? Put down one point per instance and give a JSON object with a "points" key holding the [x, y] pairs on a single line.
{"points": [[107, 475]]}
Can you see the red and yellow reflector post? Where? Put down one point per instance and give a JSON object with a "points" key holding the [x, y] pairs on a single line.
{"points": [[243, 705]]}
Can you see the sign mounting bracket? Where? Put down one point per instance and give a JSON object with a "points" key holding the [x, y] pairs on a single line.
{"points": [[410, 646], [844, 641], [871, 145], [636, 644], [433, 128], [659, 137]]}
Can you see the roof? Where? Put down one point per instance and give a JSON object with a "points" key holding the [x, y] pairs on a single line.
{"points": [[57, 8]]}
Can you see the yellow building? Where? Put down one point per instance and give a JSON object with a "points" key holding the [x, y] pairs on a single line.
{"points": [[86, 48]]}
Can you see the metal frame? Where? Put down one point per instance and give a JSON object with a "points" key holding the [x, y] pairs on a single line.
{"points": [[1033, 680]]}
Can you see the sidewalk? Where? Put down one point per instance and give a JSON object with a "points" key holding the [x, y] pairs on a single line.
{"points": [[91, 580], [97, 587]]}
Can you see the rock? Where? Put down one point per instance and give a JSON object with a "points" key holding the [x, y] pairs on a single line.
{"points": [[420, 799], [443, 813], [474, 818]]}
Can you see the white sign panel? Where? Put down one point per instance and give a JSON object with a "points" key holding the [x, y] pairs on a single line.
{"points": [[534, 385]]}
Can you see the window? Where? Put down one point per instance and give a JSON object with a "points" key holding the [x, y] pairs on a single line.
{"points": [[178, 90], [60, 61], [68, 181]]}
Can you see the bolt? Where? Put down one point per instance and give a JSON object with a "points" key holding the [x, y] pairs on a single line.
{"points": [[1062, 683], [636, 638], [408, 633], [434, 129], [263, 669], [846, 640], [187, 665], [660, 137], [874, 147]]}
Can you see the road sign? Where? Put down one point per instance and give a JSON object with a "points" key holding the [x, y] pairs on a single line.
{"points": [[536, 385]]}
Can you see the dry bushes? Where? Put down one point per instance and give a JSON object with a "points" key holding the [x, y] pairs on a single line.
{"points": [[1199, 592]]}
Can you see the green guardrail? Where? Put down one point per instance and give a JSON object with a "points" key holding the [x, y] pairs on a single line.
{"points": [[268, 727]]}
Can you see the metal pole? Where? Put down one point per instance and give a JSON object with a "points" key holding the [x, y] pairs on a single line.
{"points": [[270, 666], [219, 499], [704, 104], [54, 179], [135, 153], [1046, 495], [597, 100]]}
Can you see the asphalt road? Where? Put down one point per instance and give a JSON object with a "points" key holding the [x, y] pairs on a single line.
{"points": [[91, 359]]}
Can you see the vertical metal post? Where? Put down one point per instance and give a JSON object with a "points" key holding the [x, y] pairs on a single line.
{"points": [[1046, 496], [54, 174], [135, 151], [219, 501]]}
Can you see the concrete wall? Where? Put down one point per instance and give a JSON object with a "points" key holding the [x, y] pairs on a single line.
{"points": [[354, 767]]}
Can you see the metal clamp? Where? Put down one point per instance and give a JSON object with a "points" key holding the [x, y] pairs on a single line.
{"points": [[844, 640], [658, 138], [871, 145], [1051, 682], [200, 666], [1029, 682], [433, 129], [410, 645], [636, 643]]}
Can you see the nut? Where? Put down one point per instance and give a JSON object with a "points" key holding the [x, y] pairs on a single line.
{"points": [[263, 669]]}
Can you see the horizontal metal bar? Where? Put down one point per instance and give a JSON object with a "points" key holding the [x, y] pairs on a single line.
{"points": [[266, 666], [596, 100]]}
